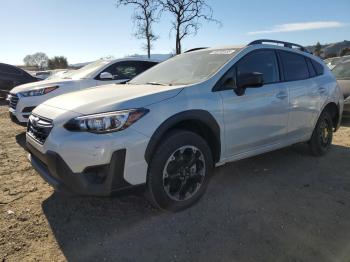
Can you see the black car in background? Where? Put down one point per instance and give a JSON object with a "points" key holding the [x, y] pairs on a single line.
{"points": [[11, 76]]}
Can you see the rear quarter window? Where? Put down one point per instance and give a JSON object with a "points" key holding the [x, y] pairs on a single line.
{"points": [[311, 68], [318, 67]]}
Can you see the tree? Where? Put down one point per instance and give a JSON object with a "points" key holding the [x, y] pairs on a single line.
{"points": [[144, 16], [345, 51], [187, 16], [57, 62], [28, 60], [318, 49], [38, 59]]}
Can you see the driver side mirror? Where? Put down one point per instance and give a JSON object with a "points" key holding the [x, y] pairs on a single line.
{"points": [[106, 76], [248, 80]]}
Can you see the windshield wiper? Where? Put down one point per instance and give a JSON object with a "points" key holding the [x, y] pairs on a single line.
{"points": [[157, 84]]}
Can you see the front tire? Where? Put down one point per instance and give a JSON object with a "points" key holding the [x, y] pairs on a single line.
{"points": [[322, 135], [179, 171]]}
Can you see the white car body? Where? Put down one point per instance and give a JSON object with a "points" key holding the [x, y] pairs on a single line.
{"points": [[20, 106], [263, 119]]}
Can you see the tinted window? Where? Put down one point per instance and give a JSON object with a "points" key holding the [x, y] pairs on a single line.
{"points": [[318, 67], [263, 61], [294, 66], [124, 70], [146, 65], [7, 69], [311, 68]]}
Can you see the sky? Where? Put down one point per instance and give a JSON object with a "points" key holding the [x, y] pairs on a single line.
{"points": [[86, 30]]}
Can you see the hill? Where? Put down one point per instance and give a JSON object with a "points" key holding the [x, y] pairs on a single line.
{"points": [[331, 49]]}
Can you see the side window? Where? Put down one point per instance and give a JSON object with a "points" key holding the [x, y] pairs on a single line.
{"points": [[261, 61], [318, 67], [146, 65], [294, 66], [123, 70], [311, 68]]}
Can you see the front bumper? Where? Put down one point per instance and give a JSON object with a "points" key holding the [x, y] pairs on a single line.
{"points": [[99, 180], [20, 108]]}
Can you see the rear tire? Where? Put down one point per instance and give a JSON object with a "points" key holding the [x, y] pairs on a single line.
{"points": [[322, 135], [179, 171]]}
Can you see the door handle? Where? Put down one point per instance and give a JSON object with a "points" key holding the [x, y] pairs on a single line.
{"points": [[282, 95]]}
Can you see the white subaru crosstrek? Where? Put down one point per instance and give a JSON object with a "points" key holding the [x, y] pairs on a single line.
{"points": [[24, 98], [169, 126]]}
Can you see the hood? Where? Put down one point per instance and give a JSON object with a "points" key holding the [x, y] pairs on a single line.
{"points": [[40, 84], [113, 97]]}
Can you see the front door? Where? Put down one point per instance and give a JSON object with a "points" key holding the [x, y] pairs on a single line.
{"points": [[259, 117]]}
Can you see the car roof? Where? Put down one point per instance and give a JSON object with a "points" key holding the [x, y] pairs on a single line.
{"points": [[273, 46]]}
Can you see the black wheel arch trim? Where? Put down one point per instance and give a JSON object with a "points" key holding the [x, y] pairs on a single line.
{"points": [[195, 115]]}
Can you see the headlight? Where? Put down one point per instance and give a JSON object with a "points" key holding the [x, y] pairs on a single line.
{"points": [[106, 122], [39, 92]]}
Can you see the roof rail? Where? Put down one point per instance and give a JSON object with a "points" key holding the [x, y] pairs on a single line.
{"points": [[195, 49], [285, 44]]}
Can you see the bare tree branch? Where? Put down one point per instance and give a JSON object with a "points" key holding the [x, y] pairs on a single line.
{"points": [[145, 14], [187, 16]]}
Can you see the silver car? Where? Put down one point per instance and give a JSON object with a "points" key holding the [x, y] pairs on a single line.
{"points": [[171, 125]]}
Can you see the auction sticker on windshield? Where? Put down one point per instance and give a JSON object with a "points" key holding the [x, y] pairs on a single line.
{"points": [[222, 52]]}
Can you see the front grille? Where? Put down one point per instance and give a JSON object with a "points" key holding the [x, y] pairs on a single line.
{"points": [[39, 128], [13, 100]]}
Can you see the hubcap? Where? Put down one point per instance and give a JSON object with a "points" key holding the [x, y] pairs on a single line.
{"points": [[184, 173]]}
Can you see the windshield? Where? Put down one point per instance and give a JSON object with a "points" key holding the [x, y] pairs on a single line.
{"points": [[187, 68], [342, 70], [87, 71]]}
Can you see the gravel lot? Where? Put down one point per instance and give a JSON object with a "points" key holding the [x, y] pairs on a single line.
{"points": [[281, 206]]}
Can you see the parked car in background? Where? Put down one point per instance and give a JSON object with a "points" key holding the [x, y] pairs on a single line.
{"points": [[332, 62], [42, 74], [342, 73], [59, 73], [171, 125], [24, 98], [11, 76]]}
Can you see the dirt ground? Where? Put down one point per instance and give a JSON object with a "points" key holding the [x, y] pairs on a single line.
{"points": [[281, 206]]}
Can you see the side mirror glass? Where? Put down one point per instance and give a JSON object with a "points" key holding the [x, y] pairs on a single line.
{"points": [[250, 80], [106, 76]]}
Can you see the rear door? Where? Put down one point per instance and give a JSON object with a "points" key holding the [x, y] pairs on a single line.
{"points": [[259, 117], [305, 96]]}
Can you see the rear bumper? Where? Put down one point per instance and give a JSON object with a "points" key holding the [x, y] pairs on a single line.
{"points": [[99, 180]]}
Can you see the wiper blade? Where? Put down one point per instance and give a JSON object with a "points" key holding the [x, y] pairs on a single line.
{"points": [[156, 84]]}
